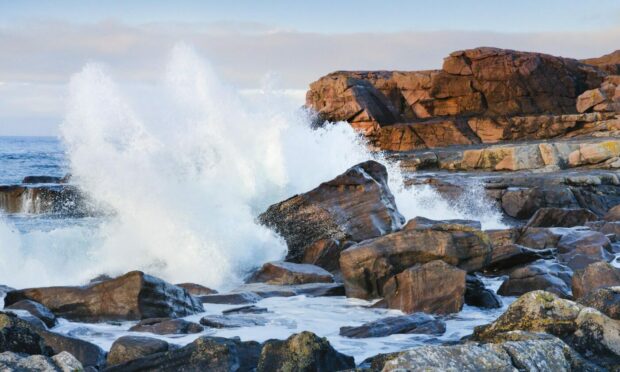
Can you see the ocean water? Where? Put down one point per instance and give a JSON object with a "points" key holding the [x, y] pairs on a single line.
{"points": [[183, 172]]}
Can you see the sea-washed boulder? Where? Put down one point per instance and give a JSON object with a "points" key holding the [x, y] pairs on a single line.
{"points": [[356, 205], [577, 249], [166, 326], [606, 300], [522, 203], [89, 354], [35, 309], [366, 266], [594, 276], [325, 253], [196, 289], [540, 275], [417, 323], [132, 296], [506, 257], [561, 217], [286, 273], [477, 295], [65, 362], [128, 348], [302, 352], [434, 287]]}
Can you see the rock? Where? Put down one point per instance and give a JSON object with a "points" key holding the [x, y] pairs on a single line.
{"points": [[166, 326], [128, 348], [366, 266], [577, 249], [417, 323], [609, 63], [356, 205], [479, 296], [595, 276], [220, 321], [246, 310], [37, 310], [31, 319], [434, 287], [606, 300], [540, 275], [508, 256], [254, 292], [132, 296], [561, 217], [302, 352], [594, 153], [613, 214], [196, 289], [421, 223], [17, 335], [325, 253], [204, 354], [287, 273], [89, 354], [526, 355], [64, 362], [539, 237], [522, 203], [589, 99], [41, 179], [588, 331]]}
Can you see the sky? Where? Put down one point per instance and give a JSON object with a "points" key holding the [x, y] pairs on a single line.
{"points": [[42, 43]]}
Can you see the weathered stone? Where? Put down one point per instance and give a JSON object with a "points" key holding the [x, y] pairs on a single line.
{"points": [[366, 266], [595, 276], [302, 352], [540, 237], [522, 203], [434, 287], [128, 348], [132, 296], [35, 309], [15, 362], [18, 336], [288, 273], [606, 300], [204, 354], [613, 214], [541, 275], [254, 292], [577, 249], [325, 253], [166, 326], [506, 257], [196, 289], [89, 354], [227, 321], [589, 99], [477, 295], [356, 205], [417, 323], [561, 217]]}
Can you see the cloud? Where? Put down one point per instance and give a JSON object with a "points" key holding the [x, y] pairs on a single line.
{"points": [[45, 54]]}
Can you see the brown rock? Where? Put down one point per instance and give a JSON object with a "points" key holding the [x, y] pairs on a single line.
{"points": [[433, 287], [589, 99], [167, 326], [594, 276], [325, 253], [561, 217], [522, 203], [285, 273], [356, 205], [577, 249], [606, 300], [196, 289], [132, 296], [128, 348]]}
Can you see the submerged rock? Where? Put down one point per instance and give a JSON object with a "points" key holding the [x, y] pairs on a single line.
{"points": [[356, 205], [561, 217], [606, 300], [417, 323], [166, 326], [65, 362], [35, 309], [214, 354], [541, 275], [302, 352], [433, 287], [128, 348], [132, 296], [367, 266], [595, 276], [479, 296], [288, 273]]}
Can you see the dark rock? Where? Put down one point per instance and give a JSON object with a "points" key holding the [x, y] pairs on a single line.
{"points": [[540, 275], [246, 310], [196, 289], [539, 238], [417, 323], [254, 292], [356, 205], [128, 348], [509, 256], [522, 203], [37, 310], [434, 287], [167, 326], [421, 223], [132, 296], [213, 354], [561, 217], [606, 300], [17, 362], [89, 354], [595, 276], [302, 352], [577, 249], [288, 273], [366, 266], [479, 296], [220, 321]]}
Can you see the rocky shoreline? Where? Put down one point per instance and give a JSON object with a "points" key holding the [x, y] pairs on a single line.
{"points": [[539, 133]]}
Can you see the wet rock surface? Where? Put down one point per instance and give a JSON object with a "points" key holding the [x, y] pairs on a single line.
{"points": [[288, 273], [166, 326], [594, 276], [128, 348], [561, 217], [418, 323], [541, 275], [35, 309], [477, 295], [64, 362], [254, 292], [606, 300]]}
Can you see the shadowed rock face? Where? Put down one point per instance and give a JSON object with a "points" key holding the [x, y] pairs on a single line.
{"points": [[418, 323], [132, 296], [606, 300], [356, 205], [595, 276], [609, 62], [288, 273], [541, 275], [128, 348], [561, 217]]}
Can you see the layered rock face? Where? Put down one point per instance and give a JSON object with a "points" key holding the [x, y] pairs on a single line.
{"points": [[480, 95]]}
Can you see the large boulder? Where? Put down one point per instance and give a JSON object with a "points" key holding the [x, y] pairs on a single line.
{"points": [[167, 326], [606, 300], [204, 354], [477, 295], [35, 309], [366, 266], [577, 249], [595, 276], [561, 217], [506, 257], [89, 354], [613, 214], [587, 330], [128, 348], [540, 275], [287, 273], [65, 362], [417, 323], [434, 287], [302, 352], [522, 203], [132, 296], [357, 205]]}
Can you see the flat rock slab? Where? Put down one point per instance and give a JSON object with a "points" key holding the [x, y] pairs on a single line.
{"points": [[418, 323], [166, 326], [254, 292], [289, 273]]}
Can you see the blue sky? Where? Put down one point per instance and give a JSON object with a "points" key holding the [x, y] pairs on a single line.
{"points": [[42, 43]]}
